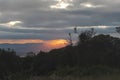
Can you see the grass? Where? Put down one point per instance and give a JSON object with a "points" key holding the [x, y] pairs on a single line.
{"points": [[76, 73], [108, 77]]}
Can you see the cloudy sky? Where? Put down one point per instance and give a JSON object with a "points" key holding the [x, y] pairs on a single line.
{"points": [[43, 21]]}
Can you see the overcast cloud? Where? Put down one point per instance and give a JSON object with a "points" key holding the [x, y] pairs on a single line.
{"points": [[43, 18]]}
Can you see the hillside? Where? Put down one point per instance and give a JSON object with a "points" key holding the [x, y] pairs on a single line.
{"points": [[93, 55]]}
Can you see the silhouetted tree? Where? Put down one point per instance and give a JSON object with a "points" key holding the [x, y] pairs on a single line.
{"points": [[86, 35], [117, 29]]}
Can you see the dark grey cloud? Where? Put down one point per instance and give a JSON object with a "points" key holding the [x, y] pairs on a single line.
{"points": [[39, 21], [11, 33], [38, 14]]}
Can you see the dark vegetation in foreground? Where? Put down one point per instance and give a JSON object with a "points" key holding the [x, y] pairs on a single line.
{"points": [[93, 55]]}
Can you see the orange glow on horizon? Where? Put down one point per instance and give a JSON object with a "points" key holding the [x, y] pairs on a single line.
{"points": [[45, 46], [55, 44], [20, 41]]}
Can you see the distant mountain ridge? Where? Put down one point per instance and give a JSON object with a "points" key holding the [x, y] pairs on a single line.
{"points": [[21, 49]]}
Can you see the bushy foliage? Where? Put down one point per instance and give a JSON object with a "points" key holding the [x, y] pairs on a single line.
{"points": [[9, 63], [93, 50]]}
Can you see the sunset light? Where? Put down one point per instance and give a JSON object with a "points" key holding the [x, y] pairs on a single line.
{"points": [[46, 45], [54, 44], [20, 41]]}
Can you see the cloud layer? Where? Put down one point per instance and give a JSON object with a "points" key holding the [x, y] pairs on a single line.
{"points": [[43, 23], [54, 19]]}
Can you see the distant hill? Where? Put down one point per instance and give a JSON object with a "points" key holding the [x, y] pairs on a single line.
{"points": [[21, 49]]}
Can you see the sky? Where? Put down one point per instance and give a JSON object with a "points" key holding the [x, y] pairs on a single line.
{"points": [[48, 22]]}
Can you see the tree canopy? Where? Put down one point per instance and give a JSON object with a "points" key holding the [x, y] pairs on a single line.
{"points": [[90, 50]]}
